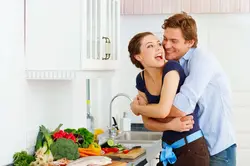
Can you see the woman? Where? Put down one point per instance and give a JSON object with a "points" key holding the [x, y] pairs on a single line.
{"points": [[158, 83]]}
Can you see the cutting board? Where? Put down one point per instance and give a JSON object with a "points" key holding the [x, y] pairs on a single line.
{"points": [[132, 154], [117, 163]]}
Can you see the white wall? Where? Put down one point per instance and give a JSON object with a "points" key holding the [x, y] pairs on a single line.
{"points": [[228, 36], [24, 105], [12, 90]]}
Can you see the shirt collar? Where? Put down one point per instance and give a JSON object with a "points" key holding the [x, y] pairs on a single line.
{"points": [[186, 57]]}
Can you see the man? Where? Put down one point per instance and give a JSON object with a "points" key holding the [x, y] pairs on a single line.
{"points": [[206, 85]]}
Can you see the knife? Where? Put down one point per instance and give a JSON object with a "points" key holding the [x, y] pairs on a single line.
{"points": [[115, 123]]}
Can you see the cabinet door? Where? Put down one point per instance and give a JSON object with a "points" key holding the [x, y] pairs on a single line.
{"points": [[52, 34], [111, 26], [100, 23]]}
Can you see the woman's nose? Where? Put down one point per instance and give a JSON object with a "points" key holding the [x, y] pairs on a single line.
{"points": [[158, 47]]}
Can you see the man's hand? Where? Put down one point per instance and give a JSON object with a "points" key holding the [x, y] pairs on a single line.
{"points": [[181, 124], [133, 106]]}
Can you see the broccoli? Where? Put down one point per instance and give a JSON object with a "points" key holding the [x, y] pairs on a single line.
{"points": [[64, 148]]}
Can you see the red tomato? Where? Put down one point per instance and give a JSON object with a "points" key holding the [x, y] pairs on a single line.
{"points": [[125, 151]]}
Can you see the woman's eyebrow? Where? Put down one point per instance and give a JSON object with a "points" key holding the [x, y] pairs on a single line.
{"points": [[148, 43]]}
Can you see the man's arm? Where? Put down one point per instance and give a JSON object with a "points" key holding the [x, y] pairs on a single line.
{"points": [[200, 74], [174, 124]]}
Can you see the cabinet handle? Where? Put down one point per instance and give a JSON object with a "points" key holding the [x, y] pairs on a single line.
{"points": [[107, 48]]}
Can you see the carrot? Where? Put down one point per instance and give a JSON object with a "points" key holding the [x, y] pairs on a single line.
{"points": [[83, 155], [89, 153], [89, 150]]}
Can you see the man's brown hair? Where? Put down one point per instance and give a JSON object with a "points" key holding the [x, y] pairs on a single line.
{"points": [[134, 48], [187, 25]]}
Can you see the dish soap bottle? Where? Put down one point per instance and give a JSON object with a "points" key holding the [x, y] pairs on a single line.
{"points": [[125, 122]]}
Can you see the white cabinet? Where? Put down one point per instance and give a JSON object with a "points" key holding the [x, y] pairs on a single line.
{"points": [[70, 35], [100, 23]]}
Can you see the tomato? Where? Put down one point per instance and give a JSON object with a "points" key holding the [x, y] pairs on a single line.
{"points": [[108, 150], [125, 151], [115, 150]]}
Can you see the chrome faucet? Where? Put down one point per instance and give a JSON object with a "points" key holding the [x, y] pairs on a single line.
{"points": [[91, 119], [111, 127]]}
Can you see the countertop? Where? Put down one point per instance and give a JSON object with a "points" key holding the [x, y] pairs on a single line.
{"points": [[152, 151]]}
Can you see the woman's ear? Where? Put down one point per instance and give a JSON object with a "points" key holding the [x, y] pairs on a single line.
{"points": [[138, 57]]}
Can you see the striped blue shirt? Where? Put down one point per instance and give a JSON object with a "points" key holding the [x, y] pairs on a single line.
{"points": [[207, 84]]}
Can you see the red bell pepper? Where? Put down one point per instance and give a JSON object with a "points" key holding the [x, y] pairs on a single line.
{"points": [[63, 134]]}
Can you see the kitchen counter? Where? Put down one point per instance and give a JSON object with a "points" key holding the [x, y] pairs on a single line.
{"points": [[152, 150]]}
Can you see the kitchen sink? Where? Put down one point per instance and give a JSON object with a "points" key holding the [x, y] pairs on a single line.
{"points": [[138, 137]]}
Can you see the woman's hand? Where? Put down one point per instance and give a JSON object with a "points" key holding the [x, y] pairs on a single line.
{"points": [[182, 124], [142, 100], [133, 106], [138, 100]]}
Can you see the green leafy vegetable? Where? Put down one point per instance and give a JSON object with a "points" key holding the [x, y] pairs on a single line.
{"points": [[88, 137], [68, 130], [84, 137], [22, 158]]}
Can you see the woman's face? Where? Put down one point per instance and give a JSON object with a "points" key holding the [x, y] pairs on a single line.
{"points": [[152, 52]]}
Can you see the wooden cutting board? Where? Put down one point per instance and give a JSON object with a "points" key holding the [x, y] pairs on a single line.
{"points": [[132, 154]]}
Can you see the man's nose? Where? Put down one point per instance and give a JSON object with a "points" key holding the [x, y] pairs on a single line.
{"points": [[166, 44]]}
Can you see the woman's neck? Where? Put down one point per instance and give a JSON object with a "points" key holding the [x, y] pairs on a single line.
{"points": [[154, 73]]}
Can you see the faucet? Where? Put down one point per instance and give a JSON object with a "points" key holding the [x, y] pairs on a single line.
{"points": [[111, 129], [91, 125]]}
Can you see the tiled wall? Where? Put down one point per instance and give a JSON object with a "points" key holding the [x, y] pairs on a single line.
{"points": [[190, 6]]}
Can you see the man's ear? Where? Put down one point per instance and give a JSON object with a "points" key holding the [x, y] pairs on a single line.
{"points": [[190, 43], [138, 57]]}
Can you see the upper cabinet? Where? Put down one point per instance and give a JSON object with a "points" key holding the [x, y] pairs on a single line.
{"points": [[189, 6], [66, 35], [100, 24]]}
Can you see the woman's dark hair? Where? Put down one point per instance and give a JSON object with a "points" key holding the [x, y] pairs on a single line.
{"points": [[134, 47]]}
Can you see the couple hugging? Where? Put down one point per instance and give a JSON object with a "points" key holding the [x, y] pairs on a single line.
{"points": [[184, 93]]}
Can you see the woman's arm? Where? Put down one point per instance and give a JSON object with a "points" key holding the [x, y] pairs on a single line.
{"points": [[174, 112], [168, 92], [174, 124]]}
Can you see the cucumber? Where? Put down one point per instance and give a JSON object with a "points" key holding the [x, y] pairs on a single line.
{"points": [[110, 142]]}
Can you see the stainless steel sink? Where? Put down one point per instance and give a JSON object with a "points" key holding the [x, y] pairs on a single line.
{"points": [[138, 137]]}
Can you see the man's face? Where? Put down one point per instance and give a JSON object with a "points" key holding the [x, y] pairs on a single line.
{"points": [[174, 44]]}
